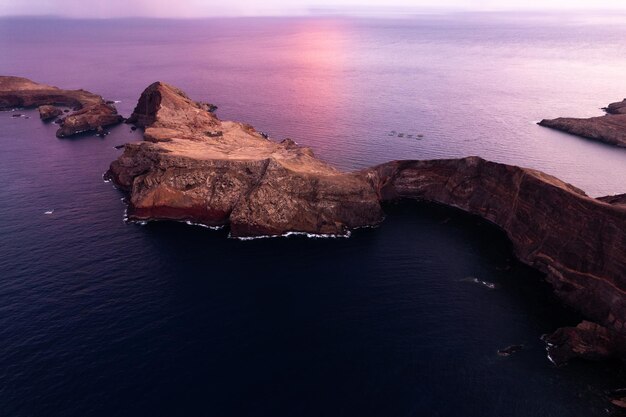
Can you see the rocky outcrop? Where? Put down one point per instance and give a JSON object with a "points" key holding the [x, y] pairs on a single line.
{"points": [[47, 112], [619, 199], [577, 241], [194, 167], [610, 128], [588, 341], [91, 111]]}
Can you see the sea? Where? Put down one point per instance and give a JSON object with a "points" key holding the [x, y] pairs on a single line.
{"points": [[99, 317]]}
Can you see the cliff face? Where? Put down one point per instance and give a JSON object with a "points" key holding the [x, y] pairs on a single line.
{"points": [[577, 241], [91, 111], [193, 166], [610, 128]]}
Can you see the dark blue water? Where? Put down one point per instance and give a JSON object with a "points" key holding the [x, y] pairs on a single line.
{"points": [[101, 318]]}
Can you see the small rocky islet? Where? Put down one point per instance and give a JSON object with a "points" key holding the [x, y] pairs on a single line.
{"points": [[191, 166], [90, 111]]}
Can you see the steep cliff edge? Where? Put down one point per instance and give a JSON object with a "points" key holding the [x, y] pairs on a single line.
{"points": [[91, 111], [610, 128], [577, 241]]}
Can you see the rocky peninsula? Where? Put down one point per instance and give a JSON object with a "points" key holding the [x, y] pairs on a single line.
{"points": [[610, 128], [91, 112], [194, 167]]}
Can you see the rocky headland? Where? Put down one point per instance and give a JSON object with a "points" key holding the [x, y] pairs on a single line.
{"points": [[610, 128], [91, 112], [194, 167]]}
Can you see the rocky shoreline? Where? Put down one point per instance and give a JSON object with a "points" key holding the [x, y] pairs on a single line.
{"points": [[90, 111], [194, 167], [610, 128]]}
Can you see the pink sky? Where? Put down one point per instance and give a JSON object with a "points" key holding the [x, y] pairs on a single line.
{"points": [[201, 8]]}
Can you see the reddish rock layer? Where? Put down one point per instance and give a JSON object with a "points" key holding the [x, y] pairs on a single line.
{"points": [[92, 111]]}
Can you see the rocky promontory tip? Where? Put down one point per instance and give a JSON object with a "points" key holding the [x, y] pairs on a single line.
{"points": [[610, 128], [91, 111]]}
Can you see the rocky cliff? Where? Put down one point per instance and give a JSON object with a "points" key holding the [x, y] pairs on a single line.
{"points": [[91, 111], [193, 166], [610, 128], [577, 241]]}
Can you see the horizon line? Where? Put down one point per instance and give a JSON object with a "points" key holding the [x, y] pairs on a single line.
{"points": [[336, 12]]}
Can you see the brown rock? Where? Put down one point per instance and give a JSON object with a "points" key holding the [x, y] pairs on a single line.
{"points": [[587, 341], [610, 128], [261, 187], [619, 199], [88, 119], [92, 111], [48, 112], [257, 186], [577, 241]]}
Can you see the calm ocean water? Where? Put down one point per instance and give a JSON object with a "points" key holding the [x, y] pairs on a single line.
{"points": [[101, 318]]}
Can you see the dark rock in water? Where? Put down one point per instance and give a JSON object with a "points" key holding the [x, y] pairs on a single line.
{"points": [[133, 128], [66, 111], [509, 350], [119, 146], [58, 121], [618, 397], [588, 341], [265, 135], [110, 102], [101, 132], [47, 112], [610, 128], [17, 115]]}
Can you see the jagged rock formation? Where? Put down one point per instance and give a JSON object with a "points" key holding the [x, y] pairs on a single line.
{"points": [[194, 167], [91, 112], [610, 128], [588, 341]]}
